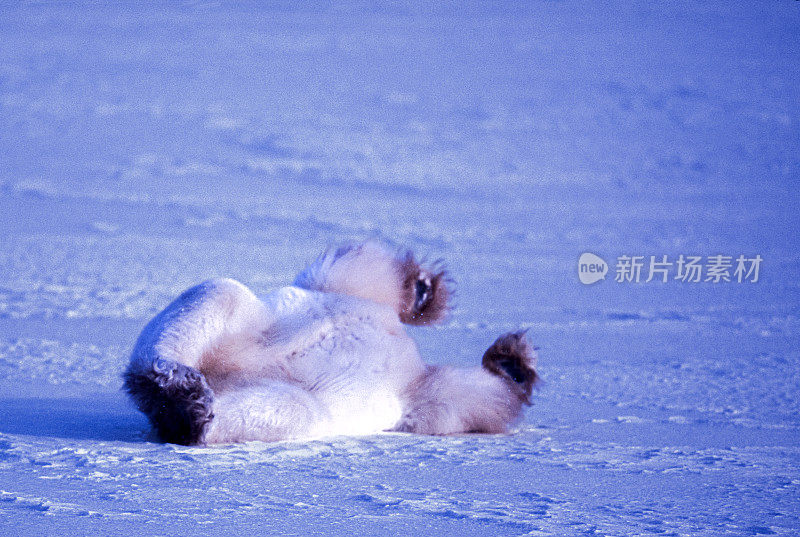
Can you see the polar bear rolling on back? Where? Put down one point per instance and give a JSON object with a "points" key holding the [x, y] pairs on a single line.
{"points": [[326, 356]]}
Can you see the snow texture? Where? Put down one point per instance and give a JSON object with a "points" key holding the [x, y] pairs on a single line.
{"points": [[146, 149]]}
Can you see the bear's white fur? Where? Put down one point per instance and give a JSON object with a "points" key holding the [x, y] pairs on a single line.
{"points": [[326, 356]]}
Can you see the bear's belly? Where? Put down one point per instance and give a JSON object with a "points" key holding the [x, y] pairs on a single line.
{"points": [[359, 380], [360, 410]]}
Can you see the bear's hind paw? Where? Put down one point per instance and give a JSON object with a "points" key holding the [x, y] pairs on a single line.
{"points": [[512, 358]]}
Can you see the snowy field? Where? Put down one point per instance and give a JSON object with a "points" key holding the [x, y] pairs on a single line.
{"points": [[143, 150]]}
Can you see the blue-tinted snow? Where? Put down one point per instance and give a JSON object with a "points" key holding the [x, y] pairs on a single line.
{"points": [[143, 149]]}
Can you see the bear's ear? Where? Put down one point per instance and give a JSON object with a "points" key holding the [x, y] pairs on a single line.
{"points": [[512, 358], [426, 291]]}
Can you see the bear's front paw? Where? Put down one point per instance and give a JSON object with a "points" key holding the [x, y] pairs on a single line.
{"points": [[512, 358], [426, 293]]}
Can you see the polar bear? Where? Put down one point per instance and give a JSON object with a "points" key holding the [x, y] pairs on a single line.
{"points": [[325, 356]]}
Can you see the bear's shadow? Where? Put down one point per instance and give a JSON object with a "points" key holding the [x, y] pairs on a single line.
{"points": [[106, 417]]}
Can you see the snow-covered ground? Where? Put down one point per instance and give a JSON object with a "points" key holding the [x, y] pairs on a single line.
{"points": [[145, 149]]}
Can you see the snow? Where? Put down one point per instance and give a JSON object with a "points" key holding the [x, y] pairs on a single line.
{"points": [[143, 150]]}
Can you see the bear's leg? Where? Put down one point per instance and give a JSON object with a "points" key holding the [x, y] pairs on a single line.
{"points": [[175, 397], [427, 291], [163, 377], [513, 359], [420, 293], [486, 399]]}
